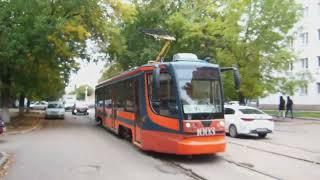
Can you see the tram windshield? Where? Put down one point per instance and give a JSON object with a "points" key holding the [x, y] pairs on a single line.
{"points": [[200, 90]]}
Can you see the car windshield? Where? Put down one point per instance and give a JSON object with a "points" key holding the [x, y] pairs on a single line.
{"points": [[55, 106], [250, 111], [200, 90]]}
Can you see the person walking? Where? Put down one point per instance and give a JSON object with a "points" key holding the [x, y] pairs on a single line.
{"points": [[289, 107], [281, 107]]}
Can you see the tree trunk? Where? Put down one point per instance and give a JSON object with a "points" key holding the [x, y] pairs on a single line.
{"points": [[5, 98], [28, 106], [241, 99], [21, 104]]}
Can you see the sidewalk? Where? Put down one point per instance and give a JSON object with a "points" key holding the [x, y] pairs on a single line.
{"points": [[14, 112], [288, 119]]}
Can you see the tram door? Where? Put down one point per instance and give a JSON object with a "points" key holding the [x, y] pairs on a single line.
{"points": [[138, 120]]}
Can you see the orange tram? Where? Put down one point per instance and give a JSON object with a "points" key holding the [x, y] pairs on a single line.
{"points": [[170, 107]]}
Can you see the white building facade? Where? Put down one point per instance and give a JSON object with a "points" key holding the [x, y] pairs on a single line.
{"points": [[306, 45]]}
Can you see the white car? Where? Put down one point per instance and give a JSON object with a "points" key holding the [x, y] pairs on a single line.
{"points": [[39, 105], [247, 120], [55, 109]]}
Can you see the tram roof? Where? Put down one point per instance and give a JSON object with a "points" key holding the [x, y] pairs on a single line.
{"points": [[149, 67]]}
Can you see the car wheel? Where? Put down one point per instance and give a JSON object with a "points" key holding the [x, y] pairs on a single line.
{"points": [[233, 131], [262, 135]]}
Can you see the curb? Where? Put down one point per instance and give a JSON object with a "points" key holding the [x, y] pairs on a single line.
{"points": [[4, 158], [38, 126]]}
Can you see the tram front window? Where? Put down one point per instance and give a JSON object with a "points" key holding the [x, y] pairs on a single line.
{"points": [[200, 92]]}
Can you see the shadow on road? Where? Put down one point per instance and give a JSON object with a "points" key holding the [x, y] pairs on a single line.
{"points": [[186, 159]]}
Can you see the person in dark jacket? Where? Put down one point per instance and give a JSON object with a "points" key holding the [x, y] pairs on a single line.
{"points": [[289, 107], [281, 107]]}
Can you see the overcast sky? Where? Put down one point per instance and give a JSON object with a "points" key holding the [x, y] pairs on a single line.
{"points": [[89, 73]]}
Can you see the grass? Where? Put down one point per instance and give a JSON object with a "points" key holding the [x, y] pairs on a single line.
{"points": [[299, 114], [22, 123]]}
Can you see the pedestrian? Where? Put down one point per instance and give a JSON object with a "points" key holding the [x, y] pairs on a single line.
{"points": [[289, 107], [281, 107]]}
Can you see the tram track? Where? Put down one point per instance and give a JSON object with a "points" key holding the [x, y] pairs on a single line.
{"points": [[292, 147], [186, 171], [196, 176], [275, 153], [190, 173], [251, 169]]}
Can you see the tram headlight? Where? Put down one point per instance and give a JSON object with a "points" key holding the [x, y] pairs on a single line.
{"points": [[188, 125], [221, 123]]}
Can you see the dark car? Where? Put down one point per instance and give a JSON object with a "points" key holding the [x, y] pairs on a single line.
{"points": [[80, 108], [2, 126]]}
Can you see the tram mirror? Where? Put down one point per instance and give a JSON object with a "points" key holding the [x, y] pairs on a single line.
{"points": [[236, 76], [155, 84]]}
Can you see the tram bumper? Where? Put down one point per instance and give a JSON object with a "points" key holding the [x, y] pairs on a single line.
{"points": [[201, 145]]}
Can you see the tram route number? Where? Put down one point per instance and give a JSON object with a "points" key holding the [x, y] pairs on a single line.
{"points": [[206, 131]]}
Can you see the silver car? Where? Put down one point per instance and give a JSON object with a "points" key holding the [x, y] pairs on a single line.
{"points": [[55, 109], [39, 105]]}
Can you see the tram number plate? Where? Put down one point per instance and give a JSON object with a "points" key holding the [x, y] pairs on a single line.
{"points": [[206, 131]]}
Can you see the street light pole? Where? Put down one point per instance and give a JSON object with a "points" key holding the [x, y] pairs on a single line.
{"points": [[86, 93]]}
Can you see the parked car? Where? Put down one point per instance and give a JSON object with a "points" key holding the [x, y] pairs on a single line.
{"points": [[247, 120], [39, 105], [55, 109], [80, 108], [2, 126]]}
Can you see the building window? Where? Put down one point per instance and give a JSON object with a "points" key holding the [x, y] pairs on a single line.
{"points": [[305, 11], [290, 42], [304, 90], [291, 66], [305, 63], [318, 87], [318, 34], [304, 38], [319, 61]]}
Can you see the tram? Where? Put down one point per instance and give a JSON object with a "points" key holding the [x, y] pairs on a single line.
{"points": [[171, 107]]}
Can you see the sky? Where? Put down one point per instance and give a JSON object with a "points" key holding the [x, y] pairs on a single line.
{"points": [[89, 73]]}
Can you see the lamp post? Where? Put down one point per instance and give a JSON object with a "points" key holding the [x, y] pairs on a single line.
{"points": [[86, 93]]}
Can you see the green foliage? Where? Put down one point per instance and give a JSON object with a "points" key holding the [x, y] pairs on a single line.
{"points": [[41, 40], [110, 71], [80, 92], [248, 33]]}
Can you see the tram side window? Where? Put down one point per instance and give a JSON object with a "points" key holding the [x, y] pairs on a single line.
{"points": [[119, 96], [108, 100], [167, 96], [99, 100], [129, 96]]}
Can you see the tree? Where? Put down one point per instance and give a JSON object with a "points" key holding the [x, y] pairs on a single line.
{"points": [[82, 91], [110, 71], [250, 34], [40, 41]]}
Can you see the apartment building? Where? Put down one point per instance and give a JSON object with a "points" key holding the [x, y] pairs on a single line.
{"points": [[306, 45]]}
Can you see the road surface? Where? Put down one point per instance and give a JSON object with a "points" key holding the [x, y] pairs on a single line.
{"points": [[75, 148]]}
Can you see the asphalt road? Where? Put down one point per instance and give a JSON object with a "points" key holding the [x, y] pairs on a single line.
{"points": [[75, 148]]}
